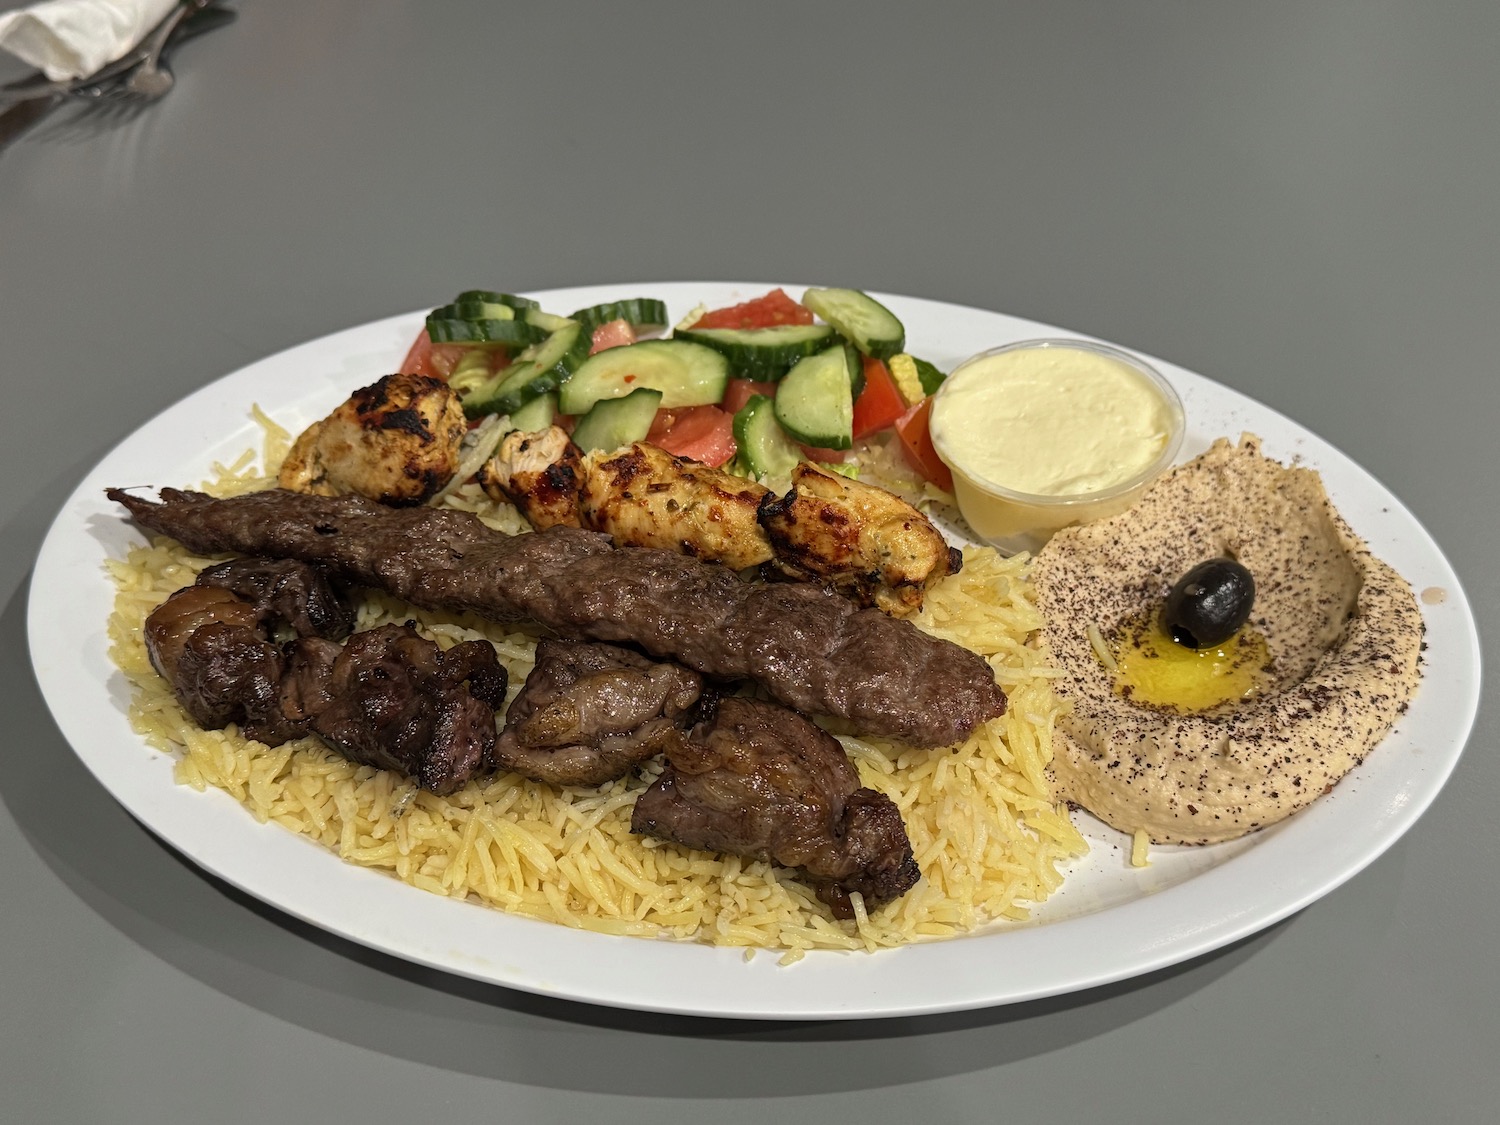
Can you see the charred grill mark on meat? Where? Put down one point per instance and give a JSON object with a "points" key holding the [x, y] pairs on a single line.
{"points": [[286, 594], [387, 698], [867, 543], [396, 441], [864, 541], [808, 648], [754, 779], [645, 497], [540, 473], [590, 713], [393, 699], [207, 643]]}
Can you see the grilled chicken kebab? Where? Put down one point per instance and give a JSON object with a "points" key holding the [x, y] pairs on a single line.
{"points": [[861, 540], [399, 441], [808, 648]]}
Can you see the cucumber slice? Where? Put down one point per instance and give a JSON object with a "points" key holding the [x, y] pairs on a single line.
{"points": [[872, 327], [464, 324], [763, 354], [562, 354], [643, 313], [615, 422], [687, 375], [547, 322], [856, 371], [764, 448], [536, 414], [477, 310], [490, 297], [815, 402]]}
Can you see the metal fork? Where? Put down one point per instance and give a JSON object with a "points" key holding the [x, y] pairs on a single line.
{"points": [[150, 79], [111, 79]]}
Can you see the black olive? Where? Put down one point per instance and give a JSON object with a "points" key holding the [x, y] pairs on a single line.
{"points": [[1209, 603]]}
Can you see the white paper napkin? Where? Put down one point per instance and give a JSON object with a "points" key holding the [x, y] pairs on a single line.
{"points": [[71, 38]]}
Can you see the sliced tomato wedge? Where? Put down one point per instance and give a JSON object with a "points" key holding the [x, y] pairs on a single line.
{"points": [[739, 391], [880, 403], [763, 312], [704, 433], [436, 360], [612, 334], [917, 447]]}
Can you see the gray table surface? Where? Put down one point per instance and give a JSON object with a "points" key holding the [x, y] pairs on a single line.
{"points": [[1295, 199]]}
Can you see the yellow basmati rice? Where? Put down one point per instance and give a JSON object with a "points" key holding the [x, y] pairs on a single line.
{"points": [[987, 833]]}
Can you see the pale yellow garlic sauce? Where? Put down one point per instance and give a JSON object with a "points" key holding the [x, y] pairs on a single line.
{"points": [[1051, 421]]}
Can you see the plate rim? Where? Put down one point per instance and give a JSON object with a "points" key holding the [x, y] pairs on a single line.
{"points": [[763, 990]]}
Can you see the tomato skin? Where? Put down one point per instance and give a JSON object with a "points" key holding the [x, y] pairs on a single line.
{"points": [[612, 334], [916, 445], [740, 391], [763, 312], [702, 433], [880, 403], [436, 361], [825, 456]]}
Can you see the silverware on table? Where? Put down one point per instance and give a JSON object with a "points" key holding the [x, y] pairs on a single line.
{"points": [[34, 98], [150, 79]]}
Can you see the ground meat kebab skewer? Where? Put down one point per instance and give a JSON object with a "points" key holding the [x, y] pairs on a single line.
{"points": [[810, 649]]}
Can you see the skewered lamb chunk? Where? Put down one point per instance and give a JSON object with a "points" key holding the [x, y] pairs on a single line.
{"points": [[387, 698], [393, 699], [811, 650], [590, 713], [209, 645], [286, 593], [754, 779]]}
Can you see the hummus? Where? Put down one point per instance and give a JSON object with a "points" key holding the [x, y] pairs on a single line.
{"points": [[1342, 630]]}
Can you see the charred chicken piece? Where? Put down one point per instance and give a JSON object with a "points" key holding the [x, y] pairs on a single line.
{"points": [[286, 593], [755, 779], [208, 644], [646, 497], [540, 473], [864, 541], [396, 441], [591, 713], [393, 699]]}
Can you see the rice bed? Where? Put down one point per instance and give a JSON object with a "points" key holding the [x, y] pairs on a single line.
{"points": [[986, 831]]}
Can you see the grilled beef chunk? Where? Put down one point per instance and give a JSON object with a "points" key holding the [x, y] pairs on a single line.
{"points": [[810, 649], [387, 698], [590, 713], [286, 593], [208, 645], [754, 779], [393, 699]]}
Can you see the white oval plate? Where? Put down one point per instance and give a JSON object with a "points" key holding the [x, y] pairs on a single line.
{"points": [[1108, 922]]}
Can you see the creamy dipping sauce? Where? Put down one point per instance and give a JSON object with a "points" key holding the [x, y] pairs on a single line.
{"points": [[1051, 420]]}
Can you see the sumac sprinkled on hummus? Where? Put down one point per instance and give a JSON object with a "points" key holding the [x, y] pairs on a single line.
{"points": [[1343, 631]]}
